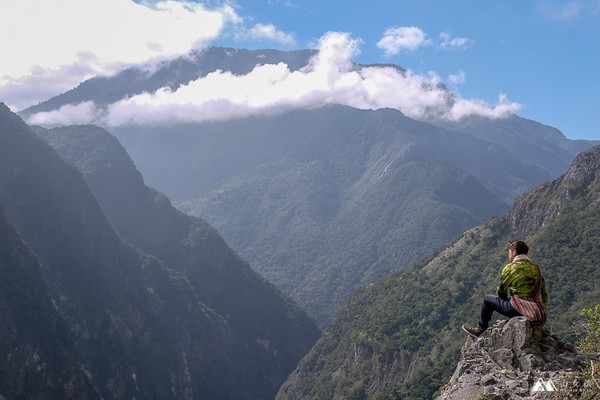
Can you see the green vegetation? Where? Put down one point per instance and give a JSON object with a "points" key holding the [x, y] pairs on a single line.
{"points": [[321, 203], [410, 321], [585, 384], [331, 252], [589, 331]]}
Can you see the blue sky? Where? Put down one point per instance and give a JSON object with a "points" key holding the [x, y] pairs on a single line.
{"points": [[544, 55], [539, 59]]}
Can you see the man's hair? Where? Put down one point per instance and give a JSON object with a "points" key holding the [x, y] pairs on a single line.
{"points": [[520, 246]]}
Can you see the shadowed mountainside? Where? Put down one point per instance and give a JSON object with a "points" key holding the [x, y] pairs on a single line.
{"points": [[36, 346], [139, 326], [187, 244]]}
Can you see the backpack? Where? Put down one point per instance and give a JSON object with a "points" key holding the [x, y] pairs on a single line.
{"points": [[531, 307]]}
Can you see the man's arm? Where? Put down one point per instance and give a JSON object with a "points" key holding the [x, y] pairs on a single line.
{"points": [[504, 284]]}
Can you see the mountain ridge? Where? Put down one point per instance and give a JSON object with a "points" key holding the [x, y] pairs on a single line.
{"points": [[170, 73]]}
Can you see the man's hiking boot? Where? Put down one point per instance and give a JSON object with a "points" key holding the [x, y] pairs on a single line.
{"points": [[473, 332]]}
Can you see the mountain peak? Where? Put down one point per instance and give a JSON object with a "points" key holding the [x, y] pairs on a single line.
{"points": [[171, 73], [584, 168], [512, 360], [537, 209]]}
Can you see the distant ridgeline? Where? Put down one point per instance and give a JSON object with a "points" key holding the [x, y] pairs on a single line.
{"points": [[104, 90], [84, 314], [325, 200], [400, 337]]}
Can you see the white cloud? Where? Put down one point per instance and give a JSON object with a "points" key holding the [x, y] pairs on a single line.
{"points": [[457, 43], [69, 114], [41, 83], [330, 78], [395, 40], [502, 109], [269, 32], [92, 37], [457, 79], [336, 50]]}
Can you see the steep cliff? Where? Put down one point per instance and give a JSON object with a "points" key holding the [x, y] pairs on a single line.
{"points": [[220, 279], [37, 349]]}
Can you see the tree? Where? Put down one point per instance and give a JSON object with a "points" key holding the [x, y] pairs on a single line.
{"points": [[585, 385]]}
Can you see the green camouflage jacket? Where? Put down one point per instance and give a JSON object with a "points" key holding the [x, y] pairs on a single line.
{"points": [[519, 279]]}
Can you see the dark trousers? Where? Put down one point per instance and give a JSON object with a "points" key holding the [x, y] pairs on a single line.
{"points": [[493, 303]]}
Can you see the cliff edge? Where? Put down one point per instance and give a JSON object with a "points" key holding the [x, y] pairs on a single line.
{"points": [[511, 360]]}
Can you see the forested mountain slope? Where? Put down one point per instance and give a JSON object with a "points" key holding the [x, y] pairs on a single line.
{"points": [[322, 201], [400, 337], [138, 324], [307, 193]]}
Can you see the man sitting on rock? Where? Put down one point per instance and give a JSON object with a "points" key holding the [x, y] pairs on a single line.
{"points": [[519, 278]]}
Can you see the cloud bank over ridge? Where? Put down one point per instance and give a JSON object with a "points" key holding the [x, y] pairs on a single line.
{"points": [[330, 78], [51, 46]]}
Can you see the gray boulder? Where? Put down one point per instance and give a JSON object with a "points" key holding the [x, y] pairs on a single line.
{"points": [[511, 360]]}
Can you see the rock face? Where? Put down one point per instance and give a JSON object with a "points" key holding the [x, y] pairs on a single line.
{"points": [[511, 360]]}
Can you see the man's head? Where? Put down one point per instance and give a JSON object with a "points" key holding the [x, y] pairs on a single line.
{"points": [[516, 248]]}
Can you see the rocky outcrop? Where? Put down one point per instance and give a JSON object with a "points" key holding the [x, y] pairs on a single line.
{"points": [[511, 360], [530, 213], [584, 168]]}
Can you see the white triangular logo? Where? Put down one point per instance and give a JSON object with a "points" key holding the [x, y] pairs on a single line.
{"points": [[541, 386]]}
